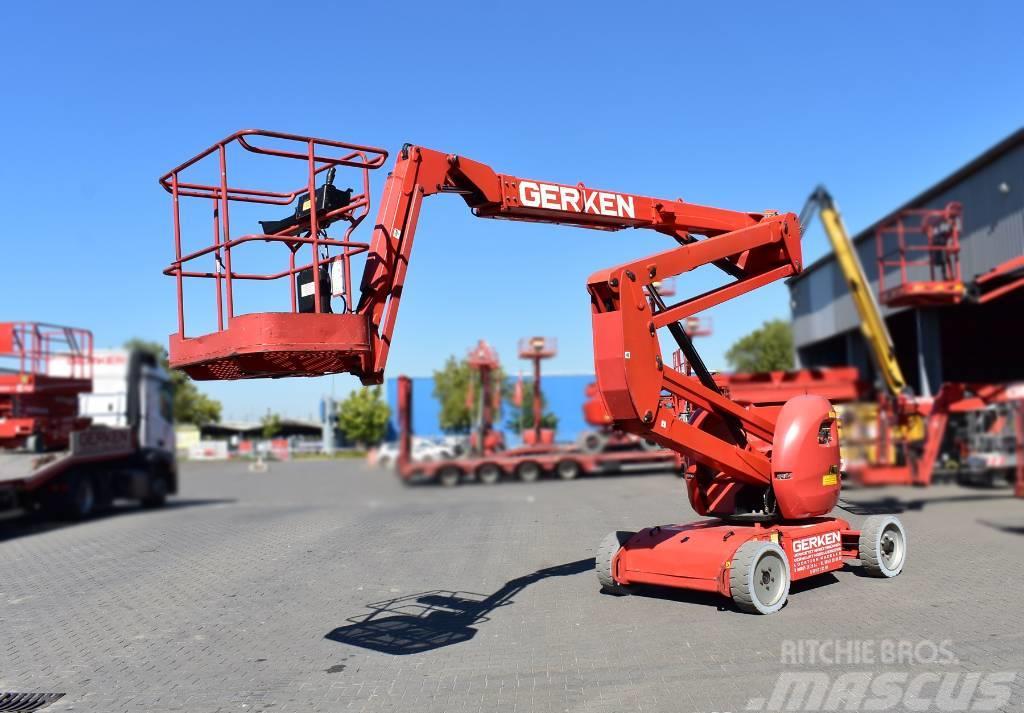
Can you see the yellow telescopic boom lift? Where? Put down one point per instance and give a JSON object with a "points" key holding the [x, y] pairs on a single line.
{"points": [[872, 325]]}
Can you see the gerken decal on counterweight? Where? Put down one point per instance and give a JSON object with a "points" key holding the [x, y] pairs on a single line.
{"points": [[817, 553]]}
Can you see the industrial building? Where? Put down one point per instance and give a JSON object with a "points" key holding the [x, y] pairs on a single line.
{"points": [[942, 342]]}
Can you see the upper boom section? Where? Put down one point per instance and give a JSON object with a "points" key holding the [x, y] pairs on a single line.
{"points": [[420, 172]]}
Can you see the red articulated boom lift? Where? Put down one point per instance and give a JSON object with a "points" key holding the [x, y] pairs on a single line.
{"points": [[768, 482], [536, 350], [604, 436]]}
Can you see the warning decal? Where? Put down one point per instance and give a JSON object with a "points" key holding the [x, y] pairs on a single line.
{"points": [[817, 553]]}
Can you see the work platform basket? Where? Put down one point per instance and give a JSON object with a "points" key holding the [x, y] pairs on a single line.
{"points": [[268, 249], [920, 248]]}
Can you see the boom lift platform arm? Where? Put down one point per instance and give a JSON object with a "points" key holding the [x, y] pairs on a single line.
{"points": [[771, 478]]}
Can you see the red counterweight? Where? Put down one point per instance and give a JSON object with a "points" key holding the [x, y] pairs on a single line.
{"points": [[770, 476]]}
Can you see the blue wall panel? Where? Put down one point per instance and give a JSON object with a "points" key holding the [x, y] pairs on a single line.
{"points": [[564, 395]]}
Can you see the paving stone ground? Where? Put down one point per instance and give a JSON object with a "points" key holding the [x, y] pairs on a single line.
{"points": [[328, 586]]}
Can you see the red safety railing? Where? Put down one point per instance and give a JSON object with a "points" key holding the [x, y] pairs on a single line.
{"points": [[307, 226], [37, 349], [922, 247]]}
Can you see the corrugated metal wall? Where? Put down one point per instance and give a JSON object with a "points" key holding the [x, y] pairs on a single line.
{"points": [[993, 232]]}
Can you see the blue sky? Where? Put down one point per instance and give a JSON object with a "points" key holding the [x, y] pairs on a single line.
{"points": [[733, 105]]}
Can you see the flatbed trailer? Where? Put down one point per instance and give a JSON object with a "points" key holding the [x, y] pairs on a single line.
{"points": [[528, 463], [101, 464]]}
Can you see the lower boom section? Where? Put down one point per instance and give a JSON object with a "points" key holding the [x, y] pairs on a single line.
{"points": [[753, 563]]}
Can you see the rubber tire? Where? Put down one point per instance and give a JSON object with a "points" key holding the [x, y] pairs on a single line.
{"points": [[592, 442], [743, 570], [606, 551], [449, 476], [158, 497], [488, 473], [568, 469], [529, 471], [649, 446], [81, 503], [869, 546]]}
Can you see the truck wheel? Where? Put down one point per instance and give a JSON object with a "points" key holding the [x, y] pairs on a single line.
{"points": [[528, 471], [157, 497], [882, 546], [567, 469], [759, 577], [488, 473], [81, 502], [606, 551], [449, 476], [592, 442], [649, 446]]}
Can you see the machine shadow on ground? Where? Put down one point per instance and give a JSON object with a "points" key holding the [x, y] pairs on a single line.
{"points": [[889, 505], [34, 524], [1012, 527], [431, 620]]}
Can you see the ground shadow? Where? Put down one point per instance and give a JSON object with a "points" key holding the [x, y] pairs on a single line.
{"points": [[35, 524], [431, 620], [890, 505], [1014, 528]]}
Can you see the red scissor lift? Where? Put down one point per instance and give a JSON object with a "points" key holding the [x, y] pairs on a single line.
{"points": [[43, 369], [766, 481]]}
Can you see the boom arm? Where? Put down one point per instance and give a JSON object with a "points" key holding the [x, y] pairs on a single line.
{"points": [[753, 248], [872, 324], [421, 172]]}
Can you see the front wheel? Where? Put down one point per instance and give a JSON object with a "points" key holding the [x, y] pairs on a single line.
{"points": [[606, 552], [157, 496], [759, 577], [882, 546]]}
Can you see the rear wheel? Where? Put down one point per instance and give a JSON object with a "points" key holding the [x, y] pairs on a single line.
{"points": [[649, 446], [567, 469], [882, 546], [81, 499], [528, 471], [606, 552], [488, 473], [449, 476], [759, 577]]}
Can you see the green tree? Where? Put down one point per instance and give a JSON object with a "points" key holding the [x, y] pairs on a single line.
{"points": [[767, 348], [363, 416], [270, 425], [520, 418], [451, 386], [190, 405]]}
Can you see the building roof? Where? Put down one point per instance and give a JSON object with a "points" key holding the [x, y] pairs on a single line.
{"points": [[976, 164]]}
